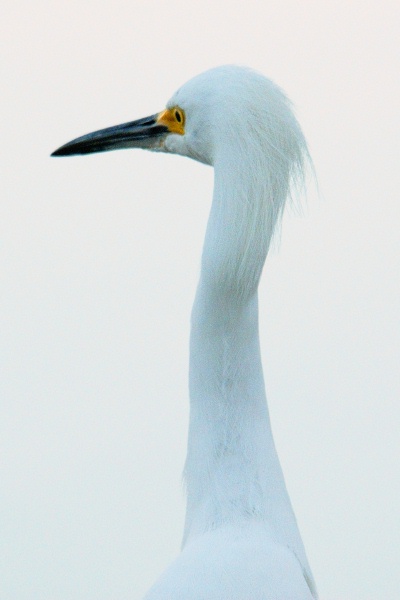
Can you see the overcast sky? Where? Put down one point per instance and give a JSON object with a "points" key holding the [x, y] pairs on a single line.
{"points": [[99, 262]]}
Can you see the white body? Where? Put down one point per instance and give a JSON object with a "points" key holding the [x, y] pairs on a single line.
{"points": [[239, 562], [241, 540]]}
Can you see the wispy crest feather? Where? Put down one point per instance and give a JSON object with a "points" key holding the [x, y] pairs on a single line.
{"points": [[260, 157]]}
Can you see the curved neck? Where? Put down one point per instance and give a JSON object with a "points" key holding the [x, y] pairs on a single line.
{"points": [[232, 471]]}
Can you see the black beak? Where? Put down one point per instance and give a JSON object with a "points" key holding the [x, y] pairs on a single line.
{"points": [[143, 133]]}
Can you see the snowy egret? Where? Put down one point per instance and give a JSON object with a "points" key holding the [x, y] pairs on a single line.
{"points": [[241, 540]]}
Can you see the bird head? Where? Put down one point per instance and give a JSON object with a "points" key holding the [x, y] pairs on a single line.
{"points": [[225, 107]]}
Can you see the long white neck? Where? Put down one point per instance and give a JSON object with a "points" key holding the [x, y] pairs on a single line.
{"points": [[232, 469]]}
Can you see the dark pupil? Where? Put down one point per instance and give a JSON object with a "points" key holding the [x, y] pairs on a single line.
{"points": [[178, 116]]}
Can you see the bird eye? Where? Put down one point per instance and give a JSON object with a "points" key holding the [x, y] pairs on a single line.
{"points": [[178, 116]]}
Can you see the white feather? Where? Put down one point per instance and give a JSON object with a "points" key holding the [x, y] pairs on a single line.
{"points": [[241, 539]]}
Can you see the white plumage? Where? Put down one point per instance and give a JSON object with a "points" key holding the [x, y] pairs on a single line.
{"points": [[241, 540]]}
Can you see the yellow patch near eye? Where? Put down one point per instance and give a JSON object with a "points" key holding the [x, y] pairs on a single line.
{"points": [[174, 119]]}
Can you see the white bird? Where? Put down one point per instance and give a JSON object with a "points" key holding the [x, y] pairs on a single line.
{"points": [[241, 540]]}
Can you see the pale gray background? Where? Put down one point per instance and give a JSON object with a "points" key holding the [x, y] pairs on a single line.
{"points": [[99, 261]]}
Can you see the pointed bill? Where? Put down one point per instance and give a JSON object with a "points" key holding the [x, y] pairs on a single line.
{"points": [[146, 133]]}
